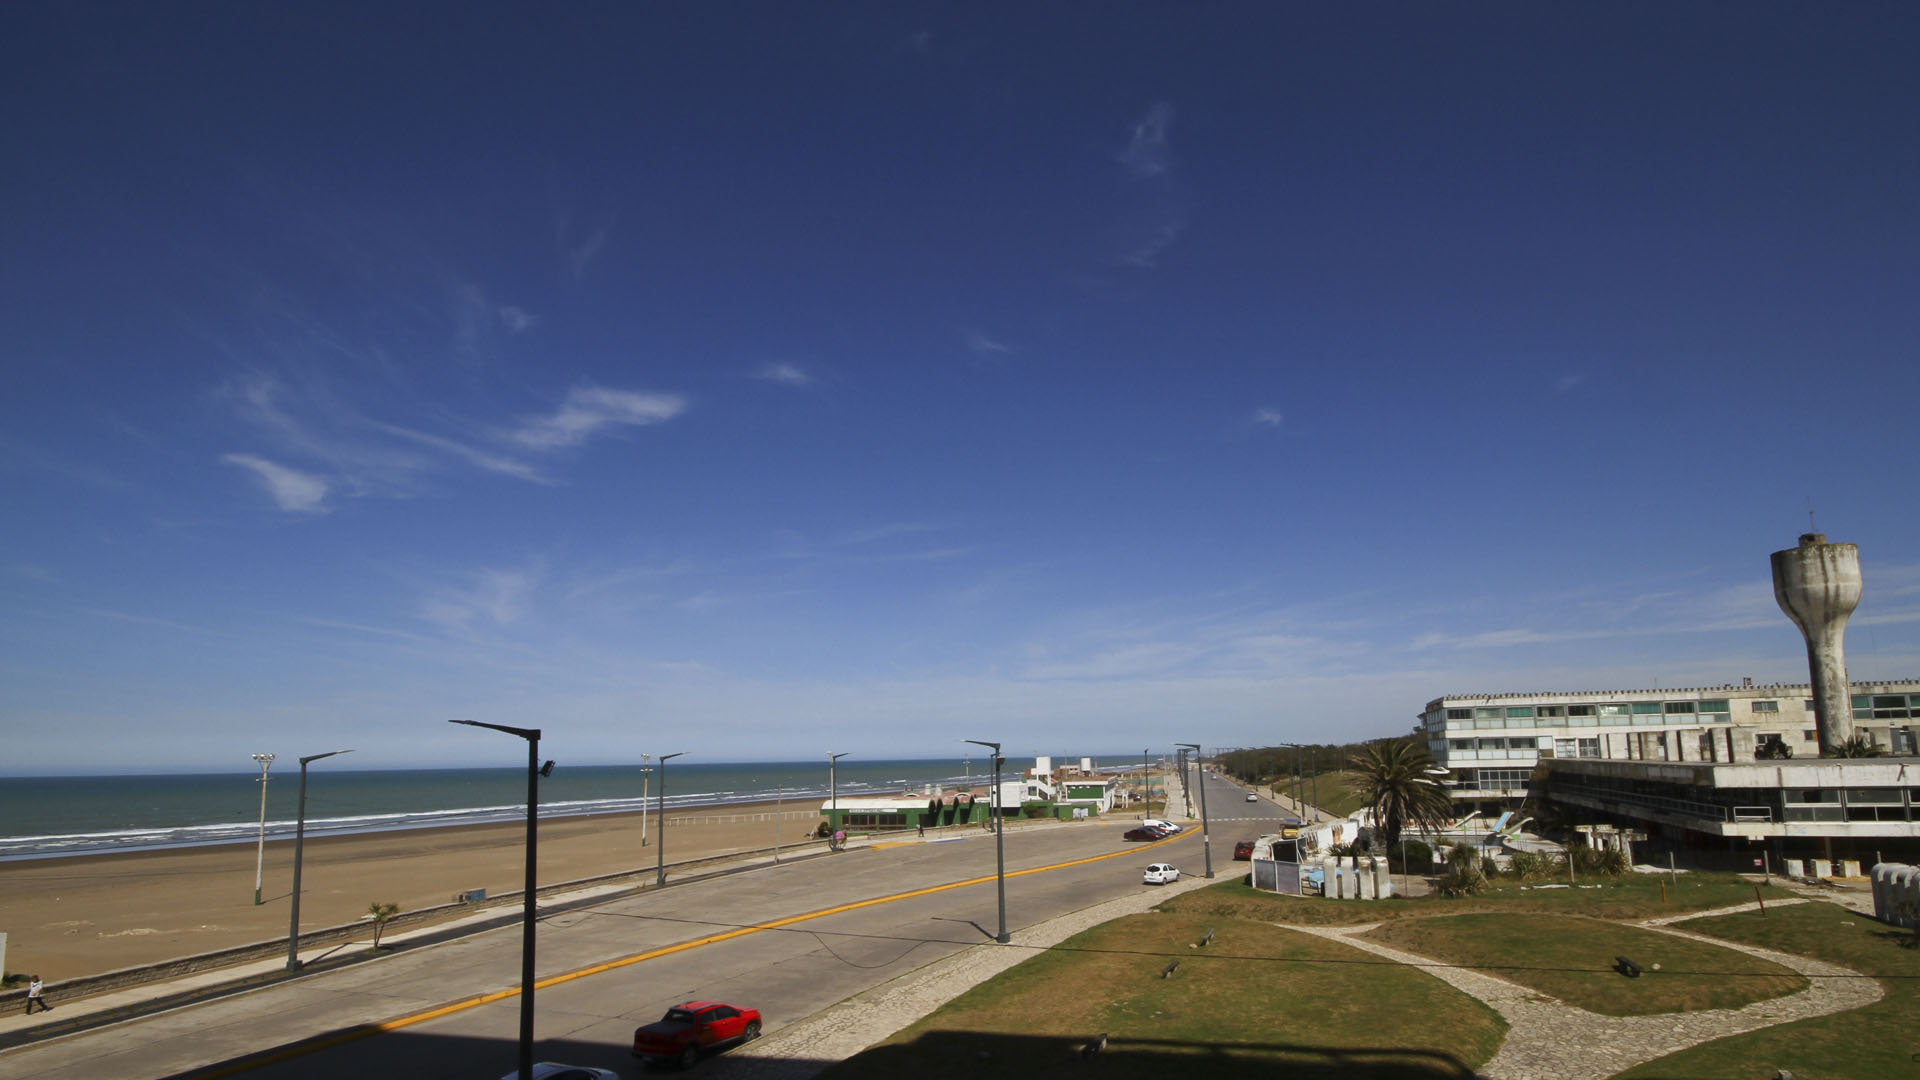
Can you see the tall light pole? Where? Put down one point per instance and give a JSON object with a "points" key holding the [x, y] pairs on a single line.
{"points": [[999, 837], [299, 839], [660, 806], [833, 789], [1206, 841], [646, 774], [260, 856], [534, 772], [1146, 779]]}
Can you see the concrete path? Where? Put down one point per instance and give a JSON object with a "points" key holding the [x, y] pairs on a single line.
{"points": [[1552, 1040]]}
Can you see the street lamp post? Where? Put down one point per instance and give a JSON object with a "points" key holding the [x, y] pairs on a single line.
{"points": [[260, 856], [999, 837], [660, 811], [299, 839], [646, 774], [534, 772], [1206, 841], [833, 793], [1146, 780]]}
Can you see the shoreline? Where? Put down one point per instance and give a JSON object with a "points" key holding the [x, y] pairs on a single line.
{"points": [[73, 915]]}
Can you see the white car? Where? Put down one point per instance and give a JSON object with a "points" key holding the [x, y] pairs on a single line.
{"points": [[1161, 874], [1164, 826], [1251, 797], [548, 1070]]}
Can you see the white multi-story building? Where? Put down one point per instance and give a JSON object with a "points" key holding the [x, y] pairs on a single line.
{"points": [[1490, 743], [1701, 767]]}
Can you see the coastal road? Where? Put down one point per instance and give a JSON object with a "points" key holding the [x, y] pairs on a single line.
{"points": [[618, 965]]}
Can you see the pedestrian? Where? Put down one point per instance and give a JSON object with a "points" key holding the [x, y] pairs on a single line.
{"points": [[839, 839], [33, 996], [922, 827]]}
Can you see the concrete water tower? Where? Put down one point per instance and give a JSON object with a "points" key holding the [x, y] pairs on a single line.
{"points": [[1818, 586]]}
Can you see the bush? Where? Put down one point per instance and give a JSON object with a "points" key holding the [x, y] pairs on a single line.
{"points": [[1463, 878], [1612, 862], [1414, 857], [1533, 866]]}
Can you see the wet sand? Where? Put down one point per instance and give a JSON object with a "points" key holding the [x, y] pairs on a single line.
{"points": [[89, 914]]}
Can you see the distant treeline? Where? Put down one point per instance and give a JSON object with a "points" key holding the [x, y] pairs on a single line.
{"points": [[1263, 764]]}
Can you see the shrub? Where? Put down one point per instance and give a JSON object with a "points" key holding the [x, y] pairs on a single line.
{"points": [[1533, 866], [1463, 878], [1414, 857], [1611, 862]]}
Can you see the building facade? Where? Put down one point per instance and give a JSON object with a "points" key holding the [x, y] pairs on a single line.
{"points": [[1733, 769], [1491, 743]]}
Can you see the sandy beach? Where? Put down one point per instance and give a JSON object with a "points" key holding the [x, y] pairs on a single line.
{"points": [[84, 915]]}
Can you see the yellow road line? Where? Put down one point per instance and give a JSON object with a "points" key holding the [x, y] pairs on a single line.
{"points": [[328, 1042]]}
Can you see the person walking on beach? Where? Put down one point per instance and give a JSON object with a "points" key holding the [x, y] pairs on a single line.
{"points": [[33, 996]]}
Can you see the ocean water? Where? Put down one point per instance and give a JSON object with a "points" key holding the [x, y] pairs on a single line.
{"points": [[85, 815]]}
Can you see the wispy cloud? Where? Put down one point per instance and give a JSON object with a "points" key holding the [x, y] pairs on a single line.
{"points": [[496, 597], [293, 490], [517, 320], [1268, 418], [981, 345], [784, 373], [588, 409], [1147, 153], [480, 458], [1146, 254], [580, 251]]}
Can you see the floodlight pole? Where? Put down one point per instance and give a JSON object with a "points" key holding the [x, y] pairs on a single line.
{"points": [[1206, 841], [260, 855], [660, 811], [299, 840], [532, 735], [833, 795], [999, 837]]}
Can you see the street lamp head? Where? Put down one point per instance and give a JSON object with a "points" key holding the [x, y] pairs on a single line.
{"points": [[546, 770], [264, 760], [317, 757]]}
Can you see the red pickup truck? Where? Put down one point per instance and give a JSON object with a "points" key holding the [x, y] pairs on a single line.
{"points": [[691, 1027]]}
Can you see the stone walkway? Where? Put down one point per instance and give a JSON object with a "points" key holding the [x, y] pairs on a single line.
{"points": [[1552, 1040]]}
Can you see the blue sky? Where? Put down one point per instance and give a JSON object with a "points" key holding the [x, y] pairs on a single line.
{"points": [[755, 380]]}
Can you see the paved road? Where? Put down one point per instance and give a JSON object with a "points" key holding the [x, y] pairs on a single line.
{"points": [[615, 966]]}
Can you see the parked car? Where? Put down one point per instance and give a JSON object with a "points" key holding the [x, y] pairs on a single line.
{"points": [[1161, 874], [692, 1027], [548, 1070], [1167, 827], [1144, 833], [1243, 850]]}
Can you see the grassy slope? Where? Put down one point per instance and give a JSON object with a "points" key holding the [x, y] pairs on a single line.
{"points": [[1572, 959], [1864, 1044], [1258, 1000]]}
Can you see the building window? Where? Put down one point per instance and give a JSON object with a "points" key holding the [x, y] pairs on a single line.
{"points": [[1679, 707], [1706, 746], [1459, 714], [1615, 710], [1811, 735], [1579, 710], [1766, 706], [1520, 712], [1642, 708], [1552, 710]]}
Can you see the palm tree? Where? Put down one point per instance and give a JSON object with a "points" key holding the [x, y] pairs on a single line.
{"points": [[1397, 780], [1857, 746]]}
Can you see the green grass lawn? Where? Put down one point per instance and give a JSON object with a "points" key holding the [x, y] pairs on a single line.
{"points": [[1258, 1001], [1571, 958], [1630, 897], [1873, 1043]]}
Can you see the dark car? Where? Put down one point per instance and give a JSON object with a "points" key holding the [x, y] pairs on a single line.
{"points": [[1144, 833], [1243, 850]]}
